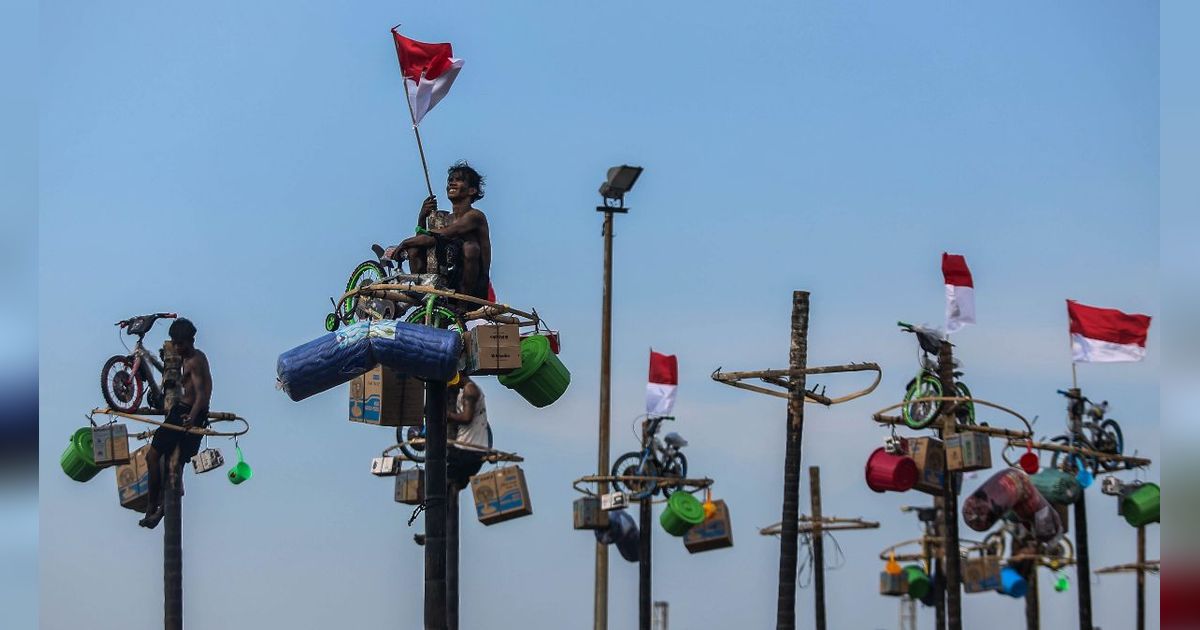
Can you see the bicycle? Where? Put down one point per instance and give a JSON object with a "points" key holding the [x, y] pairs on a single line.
{"points": [[412, 442], [926, 384], [433, 309], [656, 459], [1090, 429], [126, 378]]}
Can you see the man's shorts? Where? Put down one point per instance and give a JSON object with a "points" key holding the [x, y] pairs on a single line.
{"points": [[461, 465], [165, 440]]}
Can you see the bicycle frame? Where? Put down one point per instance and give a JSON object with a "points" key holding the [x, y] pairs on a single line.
{"points": [[145, 369]]}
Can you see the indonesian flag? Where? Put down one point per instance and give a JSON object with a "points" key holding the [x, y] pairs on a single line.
{"points": [[428, 69], [1105, 335], [664, 380], [960, 292]]}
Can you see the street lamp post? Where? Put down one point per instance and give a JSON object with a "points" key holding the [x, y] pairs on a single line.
{"points": [[619, 181]]}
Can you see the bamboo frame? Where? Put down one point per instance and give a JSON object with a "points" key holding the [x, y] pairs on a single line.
{"points": [[1150, 566], [827, 524], [779, 378], [1132, 462], [218, 416], [490, 455], [695, 484], [879, 416], [489, 310]]}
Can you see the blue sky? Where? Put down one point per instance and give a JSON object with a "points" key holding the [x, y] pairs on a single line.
{"points": [[233, 163]]}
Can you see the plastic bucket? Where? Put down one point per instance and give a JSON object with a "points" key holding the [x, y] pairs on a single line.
{"points": [[683, 512], [240, 472], [620, 525], [1141, 506], [77, 460], [918, 581], [542, 377], [1029, 463], [1057, 486], [1011, 582], [889, 471]]}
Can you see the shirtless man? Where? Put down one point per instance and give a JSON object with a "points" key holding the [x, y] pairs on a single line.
{"points": [[190, 411], [467, 231], [467, 424]]}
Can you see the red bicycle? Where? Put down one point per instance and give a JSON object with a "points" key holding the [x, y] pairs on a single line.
{"points": [[126, 378]]}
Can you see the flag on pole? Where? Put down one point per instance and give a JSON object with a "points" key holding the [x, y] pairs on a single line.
{"points": [[664, 380], [960, 292], [428, 69], [1105, 335]]}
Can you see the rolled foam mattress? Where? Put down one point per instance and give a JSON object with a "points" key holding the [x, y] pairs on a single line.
{"points": [[338, 357]]}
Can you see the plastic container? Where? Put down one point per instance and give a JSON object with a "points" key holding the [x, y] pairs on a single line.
{"points": [[77, 460], [241, 471], [683, 512], [889, 471], [1140, 507], [542, 377], [1057, 486], [1012, 583], [918, 581]]}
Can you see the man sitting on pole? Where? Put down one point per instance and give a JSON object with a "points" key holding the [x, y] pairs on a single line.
{"points": [[191, 410], [466, 239]]}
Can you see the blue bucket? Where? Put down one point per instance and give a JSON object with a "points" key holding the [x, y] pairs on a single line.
{"points": [[1011, 583]]}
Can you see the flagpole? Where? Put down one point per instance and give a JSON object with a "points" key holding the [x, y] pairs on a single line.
{"points": [[412, 116]]}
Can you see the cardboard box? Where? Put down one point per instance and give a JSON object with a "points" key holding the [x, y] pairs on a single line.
{"points": [[110, 445], [410, 486], [968, 451], [588, 514], [713, 533], [386, 399], [206, 460], [895, 585], [385, 466], [133, 481], [492, 349], [501, 495], [981, 574], [930, 456]]}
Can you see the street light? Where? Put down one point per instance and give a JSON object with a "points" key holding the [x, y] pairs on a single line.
{"points": [[619, 181]]}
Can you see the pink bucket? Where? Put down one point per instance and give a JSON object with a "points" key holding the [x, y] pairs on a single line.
{"points": [[889, 471]]}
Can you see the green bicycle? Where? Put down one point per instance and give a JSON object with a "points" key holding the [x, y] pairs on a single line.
{"points": [[925, 385]]}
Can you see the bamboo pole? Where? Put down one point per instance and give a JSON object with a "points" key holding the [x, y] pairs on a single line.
{"points": [[435, 506], [1032, 602], [1135, 462], [1083, 573], [949, 497], [818, 544], [172, 500], [452, 558], [785, 614]]}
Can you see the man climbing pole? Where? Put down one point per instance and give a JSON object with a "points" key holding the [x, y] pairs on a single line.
{"points": [[190, 411], [466, 239], [469, 422]]}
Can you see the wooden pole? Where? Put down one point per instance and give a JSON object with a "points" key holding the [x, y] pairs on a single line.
{"points": [[818, 544], [949, 497], [645, 518], [1083, 569], [785, 614], [939, 566], [600, 600], [435, 505], [1032, 603], [452, 559], [172, 542], [1141, 578]]}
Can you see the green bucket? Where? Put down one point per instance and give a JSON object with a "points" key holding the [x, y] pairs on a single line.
{"points": [[683, 512], [77, 460], [1140, 507], [542, 377], [918, 581], [1057, 486], [241, 471]]}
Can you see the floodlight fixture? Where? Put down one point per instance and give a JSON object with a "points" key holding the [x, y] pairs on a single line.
{"points": [[620, 180]]}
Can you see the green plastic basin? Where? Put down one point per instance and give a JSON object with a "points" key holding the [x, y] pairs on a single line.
{"points": [[77, 460], [683, 512], [1140, 507], [542, 377], [918, 581]]}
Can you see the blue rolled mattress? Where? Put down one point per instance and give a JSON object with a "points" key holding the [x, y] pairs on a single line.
{"points": [[338, 357]]}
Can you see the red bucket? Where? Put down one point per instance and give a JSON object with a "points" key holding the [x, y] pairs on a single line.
{"points": [[889, 471]]}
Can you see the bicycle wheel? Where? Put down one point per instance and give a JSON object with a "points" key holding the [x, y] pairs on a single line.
{"points": [[918, 415], [1111, 440], [122, 388], [404, 435], [674, 467], [1059, 439], [630, 465], [365, 273], [439, 317], [966, 412]]}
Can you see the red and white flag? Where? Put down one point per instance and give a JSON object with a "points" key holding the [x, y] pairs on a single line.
{"points": [[664, 380], [428, 69], [1105, 335], [960, 292]]}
